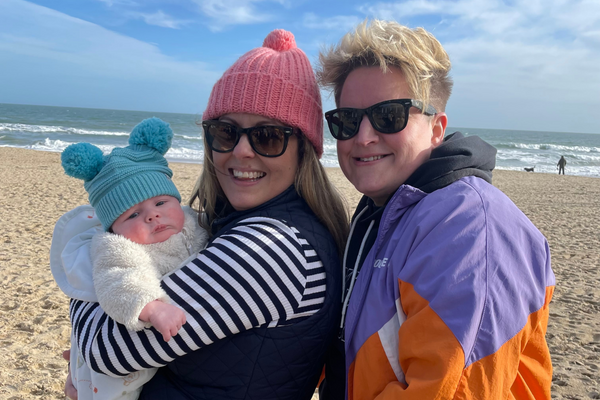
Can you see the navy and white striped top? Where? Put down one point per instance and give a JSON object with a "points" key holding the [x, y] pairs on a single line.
{"points": [[260, 272]]}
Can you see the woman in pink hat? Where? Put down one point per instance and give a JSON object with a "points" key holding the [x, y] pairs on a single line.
{"points": [[262, 300]]}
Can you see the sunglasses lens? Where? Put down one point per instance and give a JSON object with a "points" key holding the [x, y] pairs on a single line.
{"points": [[389, 118], [268, 140], [221, 137], [343, 124]]}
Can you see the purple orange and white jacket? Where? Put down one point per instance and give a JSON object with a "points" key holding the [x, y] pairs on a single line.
{"points": [[452, 300]]}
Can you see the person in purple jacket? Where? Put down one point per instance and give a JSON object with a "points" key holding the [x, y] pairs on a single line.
{"points": [[446, 282]]}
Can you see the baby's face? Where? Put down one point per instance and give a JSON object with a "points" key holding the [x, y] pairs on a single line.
{"points": [[151, 221]]}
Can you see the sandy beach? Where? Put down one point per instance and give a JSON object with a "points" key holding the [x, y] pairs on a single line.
{"points": [[34, 325]]}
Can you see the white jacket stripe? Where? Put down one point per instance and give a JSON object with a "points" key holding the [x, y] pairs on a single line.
{"points": [[388, 335]]}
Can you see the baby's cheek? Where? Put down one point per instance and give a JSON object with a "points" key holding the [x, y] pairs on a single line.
{"points": [[180, 220]]}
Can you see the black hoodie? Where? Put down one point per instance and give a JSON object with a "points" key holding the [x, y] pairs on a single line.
{"points": [[458, 156]]}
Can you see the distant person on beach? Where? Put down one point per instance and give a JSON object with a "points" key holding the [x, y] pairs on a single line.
{"points": [[262, 299], [140, 233], [561, 165], [447, 284]]}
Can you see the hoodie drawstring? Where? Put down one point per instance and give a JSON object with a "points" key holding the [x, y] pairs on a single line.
{"points": [[346, 298]]}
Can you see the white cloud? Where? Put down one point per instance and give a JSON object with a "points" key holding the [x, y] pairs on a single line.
{"points": [[531, 56], [338, 23], [33, 30], [156, 18], [491, 16], [593, 36], [225, 13], [65, 56], [521, 19], [111, 3], [159, 18]]}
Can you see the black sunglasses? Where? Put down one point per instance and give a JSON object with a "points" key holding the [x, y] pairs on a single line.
{"points": [[389, 116], [266, 140]]}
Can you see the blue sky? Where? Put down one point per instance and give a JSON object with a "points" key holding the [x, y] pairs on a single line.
{"points": [[519, 64]]}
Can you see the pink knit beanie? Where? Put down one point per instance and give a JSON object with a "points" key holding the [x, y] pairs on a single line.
{"points": [[276, 81]]}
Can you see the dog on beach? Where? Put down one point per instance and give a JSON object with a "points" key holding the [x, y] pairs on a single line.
{"points": [[529, 169]]}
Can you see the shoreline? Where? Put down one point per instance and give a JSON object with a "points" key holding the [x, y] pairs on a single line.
{"points": [[34, 324], [194, 162]]}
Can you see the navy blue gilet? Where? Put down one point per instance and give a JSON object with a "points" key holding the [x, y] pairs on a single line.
{"points": [[263, 363]]}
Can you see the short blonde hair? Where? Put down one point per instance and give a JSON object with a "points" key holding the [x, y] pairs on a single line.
{"points": [[421, 58], [311, 183]]}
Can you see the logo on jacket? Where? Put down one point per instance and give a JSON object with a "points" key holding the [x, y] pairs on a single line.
{"points": [[380, 263]]}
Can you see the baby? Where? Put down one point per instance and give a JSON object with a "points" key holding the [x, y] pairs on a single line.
{"points": [[123, 272], [135, 232]]}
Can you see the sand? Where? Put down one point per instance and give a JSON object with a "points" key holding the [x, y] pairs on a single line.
{"points": [[34, 326]]}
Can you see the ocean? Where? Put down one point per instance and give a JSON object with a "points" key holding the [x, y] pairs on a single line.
{"points": [[54, 128]]}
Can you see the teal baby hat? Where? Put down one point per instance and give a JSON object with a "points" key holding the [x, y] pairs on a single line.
{"points": [[128, 175]]}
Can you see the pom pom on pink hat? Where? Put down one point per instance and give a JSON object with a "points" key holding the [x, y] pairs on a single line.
{"points": [[276, 81], [280, 40]]}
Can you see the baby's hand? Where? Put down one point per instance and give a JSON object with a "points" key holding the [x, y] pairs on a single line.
{"points": [[166, 318]]}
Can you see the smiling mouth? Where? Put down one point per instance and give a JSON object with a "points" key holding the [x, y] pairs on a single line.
{"points": [[247, 176], [372, 158]]}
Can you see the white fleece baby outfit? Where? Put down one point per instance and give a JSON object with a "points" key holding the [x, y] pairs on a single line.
{"points": [[93, 265]]}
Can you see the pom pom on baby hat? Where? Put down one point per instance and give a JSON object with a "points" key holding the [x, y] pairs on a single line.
{"points": [[82, 161]]}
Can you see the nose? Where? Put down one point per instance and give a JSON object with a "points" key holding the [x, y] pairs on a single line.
{"points": [[366, 133], [243, 148], [152, 215]]}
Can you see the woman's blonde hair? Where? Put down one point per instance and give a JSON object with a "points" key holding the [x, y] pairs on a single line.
{"points": [[311, 183], [422, 59]]}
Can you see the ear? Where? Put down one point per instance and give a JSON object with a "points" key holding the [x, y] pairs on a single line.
{"points": [[438, 123]]}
